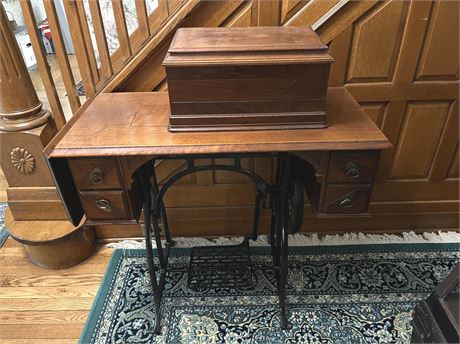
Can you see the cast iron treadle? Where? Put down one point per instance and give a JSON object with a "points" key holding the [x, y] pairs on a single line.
{"points": [[220, 266]]}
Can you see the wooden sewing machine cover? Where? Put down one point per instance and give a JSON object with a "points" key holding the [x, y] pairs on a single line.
{"points": [[247, 78]]}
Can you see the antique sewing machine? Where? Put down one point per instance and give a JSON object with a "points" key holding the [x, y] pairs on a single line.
{"points": [[233, 93]]}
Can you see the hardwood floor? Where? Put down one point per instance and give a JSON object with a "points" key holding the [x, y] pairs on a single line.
{"points": [[46, 306], [3, 186]]}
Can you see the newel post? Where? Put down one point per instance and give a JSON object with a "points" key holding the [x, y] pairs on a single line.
{"points": [[20, 108], [36, 216], [25, 126]]}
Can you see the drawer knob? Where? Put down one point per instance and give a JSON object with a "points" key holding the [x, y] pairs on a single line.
{"points": [[351, 170], [346, 203], [104, 205], [96, 177]]}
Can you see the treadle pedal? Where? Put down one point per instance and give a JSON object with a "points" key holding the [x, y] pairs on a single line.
{"points": [[220, 267]]}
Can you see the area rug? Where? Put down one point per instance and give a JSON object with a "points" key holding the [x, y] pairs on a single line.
{"points": [[3, 231], [336, 294]]}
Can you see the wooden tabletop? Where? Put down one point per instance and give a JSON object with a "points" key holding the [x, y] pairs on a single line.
{"points": [[121, 124]]}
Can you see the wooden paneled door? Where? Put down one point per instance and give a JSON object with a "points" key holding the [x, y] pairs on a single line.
{"points": [[399, 59]]}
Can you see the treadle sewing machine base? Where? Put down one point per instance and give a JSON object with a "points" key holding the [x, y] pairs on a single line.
{"points": [[213, 267], [220, 266], [103, 164]]}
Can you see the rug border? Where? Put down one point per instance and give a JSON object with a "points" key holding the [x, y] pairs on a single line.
{"points": [[118, 254], [101, 294], [4, 234]]}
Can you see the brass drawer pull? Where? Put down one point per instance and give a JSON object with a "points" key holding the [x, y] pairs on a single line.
{"points": [[104, 205], [351, 170], [96, 177], [346, 203]]}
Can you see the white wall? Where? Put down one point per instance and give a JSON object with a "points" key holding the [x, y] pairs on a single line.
{"points": [[14, 7]]}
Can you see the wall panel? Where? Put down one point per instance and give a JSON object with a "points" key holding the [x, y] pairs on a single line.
{"points": [[418, 140], [440, 44], [453, 166], [372, 59], [376, 111]]}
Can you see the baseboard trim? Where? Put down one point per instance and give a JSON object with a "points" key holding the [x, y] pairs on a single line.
{"points": [[234, 226]]}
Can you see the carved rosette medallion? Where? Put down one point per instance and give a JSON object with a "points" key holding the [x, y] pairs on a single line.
{"points": [[22, 160]]}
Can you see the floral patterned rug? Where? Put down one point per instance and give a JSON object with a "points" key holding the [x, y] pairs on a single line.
{"points": [[336, 294]]}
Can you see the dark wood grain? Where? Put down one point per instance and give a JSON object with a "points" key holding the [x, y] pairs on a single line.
{"points": [[343, 164], [242, 70], [435, 320], [119, 208], [314, 71], [343, 199], [246, 89], [253, 121], [95, 173], [300, 106], [330, 190], [236, 39]]}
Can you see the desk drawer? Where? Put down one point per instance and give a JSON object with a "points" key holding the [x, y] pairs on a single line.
{"points": [[105, 205], [95, 173], [346, 198], [352, 167]]}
